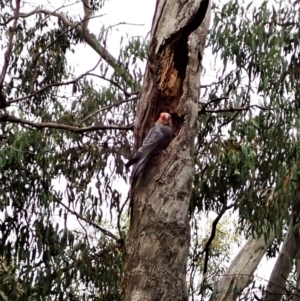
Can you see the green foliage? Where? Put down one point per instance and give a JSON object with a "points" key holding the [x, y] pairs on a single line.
{"points": [[54, 176], [247, 149], [58, 188], [259, 152]]}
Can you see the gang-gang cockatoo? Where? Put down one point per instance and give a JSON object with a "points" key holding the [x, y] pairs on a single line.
{"points": [[156, 140]]}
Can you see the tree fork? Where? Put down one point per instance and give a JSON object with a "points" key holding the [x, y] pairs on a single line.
{"points": [[158, 239]]}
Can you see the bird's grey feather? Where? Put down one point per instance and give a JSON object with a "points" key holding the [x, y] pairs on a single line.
{"points": [[139, 167], [156, 140]]}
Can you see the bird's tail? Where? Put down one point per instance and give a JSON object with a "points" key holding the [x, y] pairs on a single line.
{"points": [[139, 167]]}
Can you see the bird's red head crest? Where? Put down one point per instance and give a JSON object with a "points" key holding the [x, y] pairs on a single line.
{"points": [[165, 118]]}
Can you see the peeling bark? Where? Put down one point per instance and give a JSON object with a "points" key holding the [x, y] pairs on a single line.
{"points": [[158, 240], [277, 283], [239, 274]]}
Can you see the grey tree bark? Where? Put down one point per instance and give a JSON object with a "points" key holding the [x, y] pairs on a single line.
{"points": [[296, 292], [158, 240], [240, 272], [276, 287]]}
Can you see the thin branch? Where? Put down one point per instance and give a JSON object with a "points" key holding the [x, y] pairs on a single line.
{"points": [[70, 128], [205, 105], [114, 83], [108, 107], [25, 15], [8, 51], [206, 249], [124, 23], [119, 216], [231, 110], [218, 82], [57, 84], [29, 152], [104, 231], [212, 84], [7, 54], [70, 265], [54, 41], [92, 41], [284, 24], [88, 38], [212, 236]]}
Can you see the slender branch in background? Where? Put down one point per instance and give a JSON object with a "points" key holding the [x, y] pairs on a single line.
{"points": [[285, 24], [57, 84], [115, 84], [104, 231], [29, 152], [74, 81], [92, 41], [205, 105], [125, 23], [226, 122], [219, 82], [70, 128], [56, 39], [84, 229], [7, 54], [25, 15], [237, 109], [212, 236], [88, 38], [119, 216], [108, 107]]}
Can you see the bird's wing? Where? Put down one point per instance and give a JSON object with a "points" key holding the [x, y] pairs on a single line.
{"points": [[153, 139], [157, 139]]}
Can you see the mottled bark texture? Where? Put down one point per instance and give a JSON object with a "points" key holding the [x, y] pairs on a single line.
{"points": [[239, 274], [158, 239]]}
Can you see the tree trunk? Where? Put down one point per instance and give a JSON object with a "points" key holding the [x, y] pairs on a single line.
{"points": [[240, 272], [284, 263], [157, 243], [296, 292]]}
